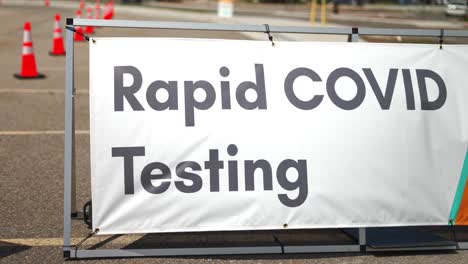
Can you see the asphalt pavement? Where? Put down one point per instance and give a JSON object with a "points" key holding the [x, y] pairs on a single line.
{"points": [[31, 158], [422, 16]]}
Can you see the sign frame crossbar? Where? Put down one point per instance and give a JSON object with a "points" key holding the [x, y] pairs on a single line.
{"points": [[70, 209], [272, 28]]}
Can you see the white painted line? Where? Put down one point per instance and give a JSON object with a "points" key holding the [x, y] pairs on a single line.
{"points": [[52, 68], [37, 242], [40, 91], [58, 241], [40, 132]]}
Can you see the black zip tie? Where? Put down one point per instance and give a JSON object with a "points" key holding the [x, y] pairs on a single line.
{"points": [[441, 38], [452, 227], [270, 37], [279, 242], [81, 34]]}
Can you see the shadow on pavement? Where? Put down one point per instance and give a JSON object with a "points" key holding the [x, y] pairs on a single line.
{"points": [[414, 253], [243, 238], [7, 249]]}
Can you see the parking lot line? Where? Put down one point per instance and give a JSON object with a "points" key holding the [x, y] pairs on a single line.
{"points": [[62, 69], [37, 242], [40, 132], [40, 91], [58, 241]]}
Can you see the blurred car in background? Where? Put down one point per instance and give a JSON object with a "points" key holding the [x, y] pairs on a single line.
{"points": [[456, 8]]}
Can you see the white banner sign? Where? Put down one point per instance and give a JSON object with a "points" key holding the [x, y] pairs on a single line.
{"points": [[201, 135]]}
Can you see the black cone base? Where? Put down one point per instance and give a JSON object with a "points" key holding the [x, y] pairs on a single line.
{"points": [[54, 54], [38, 76]]}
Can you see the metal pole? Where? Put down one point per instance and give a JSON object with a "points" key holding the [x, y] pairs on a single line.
{"points": [[313, 11], [68, 143], [362, 239], [209, 26], [323, 12], [74, 211], [354, 36]]}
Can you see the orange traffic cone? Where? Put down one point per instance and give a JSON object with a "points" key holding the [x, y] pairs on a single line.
{"points": [[82, 4], [28, 63], [109, 12], [47, 3], [111, 4], [78, 36], [97, 11], [58, 49], [89, 29]]}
